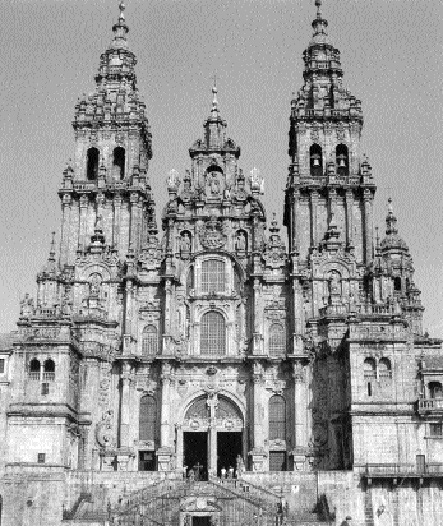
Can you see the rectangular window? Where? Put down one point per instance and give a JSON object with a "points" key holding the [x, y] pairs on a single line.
{"points": [[277, 461], [436, 429], [2, 366], [41, 458], [146, 461], [45, 389]]}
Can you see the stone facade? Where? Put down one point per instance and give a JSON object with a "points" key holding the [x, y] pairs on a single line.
{"points": [[214, 346]]}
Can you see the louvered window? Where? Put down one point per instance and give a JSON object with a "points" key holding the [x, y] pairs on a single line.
{"points": [[212, 334], [213, 276], [277, 418], [147, 418]]}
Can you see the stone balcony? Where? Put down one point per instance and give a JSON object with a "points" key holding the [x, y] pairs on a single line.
{"points": [[395, 471], [430, 406]]}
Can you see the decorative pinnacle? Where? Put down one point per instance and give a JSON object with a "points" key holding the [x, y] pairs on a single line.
{"points": [[391, 220], [318, 4], [214, 94], [52, 250]]}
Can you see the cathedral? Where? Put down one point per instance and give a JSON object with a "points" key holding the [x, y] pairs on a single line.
{"points": [[221, 371]]}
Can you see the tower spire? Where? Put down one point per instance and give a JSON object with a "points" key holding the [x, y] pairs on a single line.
{"points": [[120, 29], [320, 25]]}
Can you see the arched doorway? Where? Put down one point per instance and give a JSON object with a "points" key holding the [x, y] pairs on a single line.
{"points": [[212, 436]]}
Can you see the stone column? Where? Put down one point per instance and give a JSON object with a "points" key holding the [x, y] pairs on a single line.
{"points": [[368, 225], [349, 210], [301, 404], [83, 225], [212, 435], [125, 405], [179, 451], [258, 454], [65, 236], [298, 320], [117, 222], [166, 451], [295, 242], [314, 220], [300, 415]]}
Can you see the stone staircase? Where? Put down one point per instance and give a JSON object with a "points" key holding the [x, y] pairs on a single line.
{"points": [[242, 504]]}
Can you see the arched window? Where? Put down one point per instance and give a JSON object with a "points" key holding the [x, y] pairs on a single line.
{"points": [[316, 160], [277, 418], [149, 341], [147, 418], [397, 284], [92, 167], [49, 366], [212, 334], [369, 368], [342, 159], [384, 368], [435, 390], [213, 276], [277, 339], [119, 162], [34, 369]]}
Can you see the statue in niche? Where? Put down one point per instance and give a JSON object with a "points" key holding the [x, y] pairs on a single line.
{"points": [[240, 243], [95, 284], [214, 184], [185, 244], [334, 284]]}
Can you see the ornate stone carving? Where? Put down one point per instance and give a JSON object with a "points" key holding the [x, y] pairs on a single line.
{"points": [[211, 236]]}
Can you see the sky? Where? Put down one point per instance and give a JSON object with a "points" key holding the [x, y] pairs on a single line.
{"points": [[391, 56]]}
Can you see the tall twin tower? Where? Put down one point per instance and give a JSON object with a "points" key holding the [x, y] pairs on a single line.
{"points": [[221, 343]]}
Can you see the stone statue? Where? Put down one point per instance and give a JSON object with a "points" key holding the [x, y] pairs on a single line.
{"points": [[95, 284], [185, 244], [240, 244]]}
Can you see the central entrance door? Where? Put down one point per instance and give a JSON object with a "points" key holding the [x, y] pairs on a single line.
{"points": [[229, 447], [196, 454]]}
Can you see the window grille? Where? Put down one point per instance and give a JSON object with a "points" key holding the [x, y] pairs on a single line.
{"points": [[213, 276], [277, 342], [384, 368], [41, 458], [45, 388], [2, 366], [199, 409], [369, 368], [277, 461], [150, 341], [436, 429], [212, 334], [147, 418], [277, 418]]}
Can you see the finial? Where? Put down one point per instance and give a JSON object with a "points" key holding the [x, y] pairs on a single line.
{"points": [[122, 8], [214, 94], [377, 240], [52, 249], [390, 207], [318, 4]]}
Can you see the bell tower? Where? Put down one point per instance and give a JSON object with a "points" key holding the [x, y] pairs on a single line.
{"points": [[108, 177], [330, 181]]}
